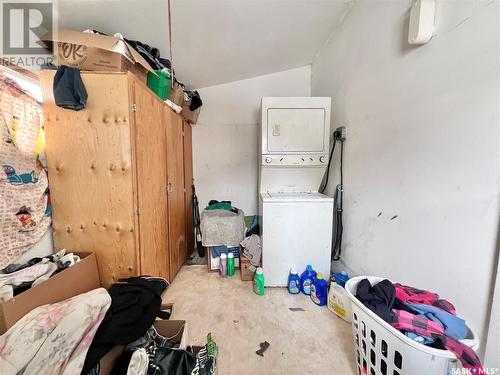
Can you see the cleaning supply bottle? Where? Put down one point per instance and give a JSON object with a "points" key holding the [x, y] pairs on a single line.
{"points": [[338, 300], [258, 282], [306, 279], [293, 285], [230, 264], [340, 278], [319, 290], [223, 265]]}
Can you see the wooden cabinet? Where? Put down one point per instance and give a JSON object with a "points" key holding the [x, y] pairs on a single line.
{"points": [[117, 177]]}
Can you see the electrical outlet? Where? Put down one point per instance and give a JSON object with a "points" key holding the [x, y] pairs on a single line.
{"points": [[341, 133]]}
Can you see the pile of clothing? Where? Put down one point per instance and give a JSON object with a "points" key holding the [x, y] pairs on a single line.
{"points": [[252, 247], [17, 278], [420, 315], [72, 336], [150, 54], [222, 205]]}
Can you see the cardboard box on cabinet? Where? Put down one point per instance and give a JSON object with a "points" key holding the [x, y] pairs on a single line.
{"points": [[77, 279], [190, 116], [95, 52], [176, 94]]}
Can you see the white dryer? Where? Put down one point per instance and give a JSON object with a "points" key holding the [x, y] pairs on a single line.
{"points": [[296, 219]]}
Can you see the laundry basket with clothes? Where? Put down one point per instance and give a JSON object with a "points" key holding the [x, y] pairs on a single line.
{"points": [[401, 329]]}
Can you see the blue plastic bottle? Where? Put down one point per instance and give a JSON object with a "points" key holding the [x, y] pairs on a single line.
{"points": [[293, 285], [340, 278], [319, 290], [306, 279]]}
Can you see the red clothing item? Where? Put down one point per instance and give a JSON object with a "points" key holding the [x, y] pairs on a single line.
{"points": [[407, 322], [408, 294]]}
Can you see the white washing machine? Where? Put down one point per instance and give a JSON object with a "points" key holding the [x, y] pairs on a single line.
{"points": [[296, 219]]}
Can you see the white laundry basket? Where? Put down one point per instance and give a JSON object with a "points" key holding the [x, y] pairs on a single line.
{"points": [[383, 350]]}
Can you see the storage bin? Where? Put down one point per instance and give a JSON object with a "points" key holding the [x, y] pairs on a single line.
{"points": [[77, 279], [159, 83], [381, 349]]}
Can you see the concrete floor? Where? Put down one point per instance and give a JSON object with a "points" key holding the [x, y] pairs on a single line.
{"points": [[314, 341]]}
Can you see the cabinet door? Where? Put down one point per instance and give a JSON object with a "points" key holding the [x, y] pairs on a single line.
{"points": [[188, 187], [151, 181], [175, 188], [90, 170]]}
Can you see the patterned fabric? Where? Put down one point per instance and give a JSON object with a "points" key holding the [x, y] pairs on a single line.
{"points": [[408, 322], [408, 294], [23, 277], [54, 339], [138, 363], [24, 208]]}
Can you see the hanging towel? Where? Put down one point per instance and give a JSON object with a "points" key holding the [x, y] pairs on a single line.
{"points": [[69, 90], [24, 204]]}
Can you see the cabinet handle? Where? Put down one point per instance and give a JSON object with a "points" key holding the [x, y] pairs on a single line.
{"points": [[169, 187]]}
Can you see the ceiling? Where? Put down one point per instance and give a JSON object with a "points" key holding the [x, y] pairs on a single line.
{"points": [[216, 41]]}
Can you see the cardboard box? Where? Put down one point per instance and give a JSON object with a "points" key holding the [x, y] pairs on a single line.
{"points": [[175, 330], [190, 116], [176, 94], [95, 52], [77, 279], [245, 272], [213, 263]]}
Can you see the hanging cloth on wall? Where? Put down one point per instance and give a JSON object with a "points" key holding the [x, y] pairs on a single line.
{"points": [[24, 208]]}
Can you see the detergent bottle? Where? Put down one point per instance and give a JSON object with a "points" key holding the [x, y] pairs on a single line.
{"points": [[338, 300], [319, 290], [306, 279], [230, 264], [258, 282], [223, 265], [293, 285]]}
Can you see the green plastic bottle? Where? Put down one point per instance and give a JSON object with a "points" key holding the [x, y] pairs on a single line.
{"points": [[230, 264], [258, 282]]}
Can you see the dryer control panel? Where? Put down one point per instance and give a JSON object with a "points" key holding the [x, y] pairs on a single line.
{"points": [[295, 160]]}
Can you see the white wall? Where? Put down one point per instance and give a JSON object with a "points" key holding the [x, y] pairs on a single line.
{"points": [[423, 144], [225, 140], [492, 357]]}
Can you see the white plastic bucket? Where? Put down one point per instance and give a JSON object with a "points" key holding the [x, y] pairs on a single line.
{"points": [[381, 349]]}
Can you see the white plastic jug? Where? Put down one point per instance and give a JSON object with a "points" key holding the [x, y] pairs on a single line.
{"points": [[339, 303]]}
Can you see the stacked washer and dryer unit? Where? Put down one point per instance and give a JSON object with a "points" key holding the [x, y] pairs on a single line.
{"points": [[296, 219]]}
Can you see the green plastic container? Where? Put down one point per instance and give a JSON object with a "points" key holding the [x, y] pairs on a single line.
{"points": [[230, 264], [258, 282], [159, 83]]}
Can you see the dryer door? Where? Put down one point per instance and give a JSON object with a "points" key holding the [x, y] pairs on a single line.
{"points": [[296, 130]]}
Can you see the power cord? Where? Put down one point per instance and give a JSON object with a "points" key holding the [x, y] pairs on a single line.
{"points": [[322, 188], [338, 135], [339, 207]]}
